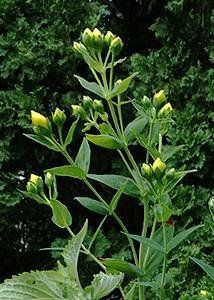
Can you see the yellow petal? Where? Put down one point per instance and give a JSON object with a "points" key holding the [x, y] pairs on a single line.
{"points": [[34, 178], [38, 119]]}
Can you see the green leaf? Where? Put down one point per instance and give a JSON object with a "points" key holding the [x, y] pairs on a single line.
{"points": [[162, 212], [116, 198], [45, 141], [84, 155], [122, 87], [29, 286], [146, 241], [130, 294], [93, 205], [103, 284], [123, 266], [138, 125], [119, 61], [140, 109], [180, 237], [70, 134], [116, 181], [169, 151], [105, 141], [207, 268], [61, 216], [90, 86], [150, 284], [70, 171], [33, 196], [71, 254]]}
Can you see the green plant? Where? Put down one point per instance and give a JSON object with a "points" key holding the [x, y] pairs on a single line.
{"points": [[151, 183]]}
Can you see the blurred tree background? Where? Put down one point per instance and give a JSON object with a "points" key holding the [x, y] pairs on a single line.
{"points": [[171, 45]]}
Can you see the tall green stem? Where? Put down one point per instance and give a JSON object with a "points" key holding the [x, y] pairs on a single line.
{"points": [[149, 140], [164, 262]]}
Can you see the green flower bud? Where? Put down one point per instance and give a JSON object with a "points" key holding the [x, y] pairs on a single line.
{"points": [[109, 37], [165, 111], [98, 39], [59, 117], [211, 203], [98, 106], [37, 180], [170, 174], [87, 38], [116, 45], [87, 102], [79, 49], [31, 187], [159, 99], [158, 169], [79, 111], [146, 102], [49, 179], [146, 171]]}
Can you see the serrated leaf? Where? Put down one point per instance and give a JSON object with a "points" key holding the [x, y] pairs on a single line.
{"points": [[180, 237], [105, 141], [116, 198], [70, 134], [146, 241], [104, 284], [61, 216], [33, 285], [70, 171], [123, 266], [90, 86], [122, 87], [33, 196], [138, 125], [83, 156], [93, 205], [116, 181], [71, 254], [207, 268], [45, 141]]}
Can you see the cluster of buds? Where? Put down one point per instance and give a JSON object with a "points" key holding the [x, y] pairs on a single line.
{"points": [[42, 125], [88, 104], [95, 40], [157, 171], [35, 184]]}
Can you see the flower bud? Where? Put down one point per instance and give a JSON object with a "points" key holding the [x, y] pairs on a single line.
{"points": [[79, 49], [49, 179], [37, 180], [59, 117], [79, 111], [146, 171], [118, 82], [87, 102], [165, 110], [98, 106], [205, 294], [31, 187], [116, 45], [170, 174], [109, 37], [146, 102], [98, 39], [211, 203], [38, 119], [158, 169], [87, 38], [159, 99]]}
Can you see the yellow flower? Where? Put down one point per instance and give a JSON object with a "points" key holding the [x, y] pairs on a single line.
{"points": [[109, 37], [34, 178], [59, 117], [158, 164], [165, 110], [98, 39], [87, 37], [160, 97], [116, 45], [38, 119], [146, 171], [79, 111]]}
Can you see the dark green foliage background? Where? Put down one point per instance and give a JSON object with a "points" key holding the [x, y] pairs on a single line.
{"points": [[171, 44]]}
